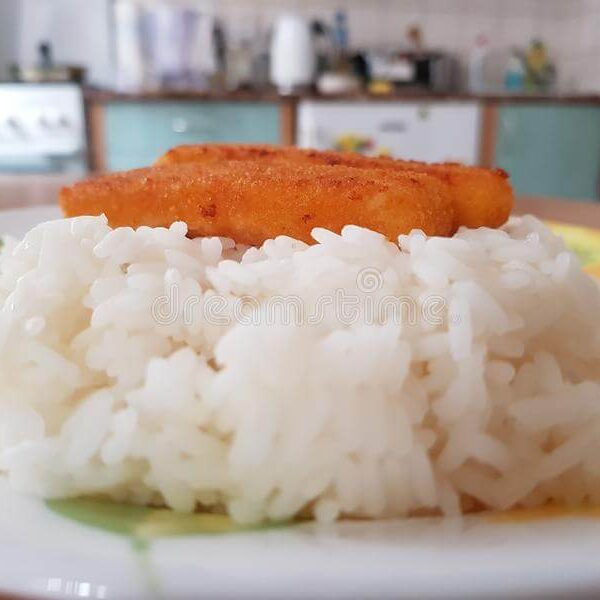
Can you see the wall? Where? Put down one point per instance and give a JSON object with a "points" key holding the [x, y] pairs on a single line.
{"points": [[570, 28], [9, 15], [583, 56], [79, 30]]}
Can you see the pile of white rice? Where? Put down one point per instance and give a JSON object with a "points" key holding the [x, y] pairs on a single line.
{"points": [[490, 399]]}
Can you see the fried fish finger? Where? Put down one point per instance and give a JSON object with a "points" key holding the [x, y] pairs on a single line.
{"points": [[251, 202], [481, 197]]}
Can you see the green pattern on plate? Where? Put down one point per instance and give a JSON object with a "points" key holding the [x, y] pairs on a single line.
{"points": [[140, 522]]}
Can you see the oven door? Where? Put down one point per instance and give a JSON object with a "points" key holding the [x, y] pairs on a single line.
{"points": [[42, 128]]}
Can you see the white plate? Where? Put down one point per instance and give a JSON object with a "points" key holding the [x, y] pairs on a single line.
{"points": [[17, 222], [44, 554]]}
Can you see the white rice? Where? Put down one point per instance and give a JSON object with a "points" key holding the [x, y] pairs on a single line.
{"points": [[492, 401]]}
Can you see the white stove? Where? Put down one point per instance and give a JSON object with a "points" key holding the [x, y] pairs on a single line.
{"points": [[42, 128]]}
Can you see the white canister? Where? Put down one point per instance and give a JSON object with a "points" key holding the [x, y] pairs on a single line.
{"points": [[292, 54]]}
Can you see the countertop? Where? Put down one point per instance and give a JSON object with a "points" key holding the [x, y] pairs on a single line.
{"points": [[20, 191], [99, 96]]}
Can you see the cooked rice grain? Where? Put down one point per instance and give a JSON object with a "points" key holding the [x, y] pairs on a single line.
{"points": [[497, 399]]}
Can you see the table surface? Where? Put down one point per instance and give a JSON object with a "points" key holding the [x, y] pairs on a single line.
{"points": [[31, 190], [556, 209]]}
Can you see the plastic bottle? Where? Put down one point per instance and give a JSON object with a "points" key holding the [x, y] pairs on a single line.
{"points": [[340, 32], [476, 78], [515, 74]]}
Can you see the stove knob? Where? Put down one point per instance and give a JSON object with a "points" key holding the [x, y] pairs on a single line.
{"points": [[15, 126], [64, 122]]}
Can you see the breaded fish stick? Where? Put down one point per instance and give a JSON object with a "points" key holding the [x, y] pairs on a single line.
{"points": [[251, 201], [481, 197]]}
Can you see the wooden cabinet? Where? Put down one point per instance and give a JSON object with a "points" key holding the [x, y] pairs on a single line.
{"points": [[137, 133], [550, 149]]}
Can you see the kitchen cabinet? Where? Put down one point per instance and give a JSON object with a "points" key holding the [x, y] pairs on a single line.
{"points": [[417, 130], [137, 133], [550, 149], [550, 145]]}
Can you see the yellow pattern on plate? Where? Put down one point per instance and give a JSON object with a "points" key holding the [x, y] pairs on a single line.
{"points": [[552, 511], [585, 242]]}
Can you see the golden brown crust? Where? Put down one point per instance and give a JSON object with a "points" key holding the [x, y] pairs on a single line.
{"points": [[481, 197], [251, 201]]}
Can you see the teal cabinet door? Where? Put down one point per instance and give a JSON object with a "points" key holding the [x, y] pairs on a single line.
{"points": [[550, 150], [137, 133]]}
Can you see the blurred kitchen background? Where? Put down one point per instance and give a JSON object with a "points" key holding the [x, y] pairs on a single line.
{"points": [[97, 85]]}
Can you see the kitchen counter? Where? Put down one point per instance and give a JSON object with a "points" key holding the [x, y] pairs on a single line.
{"points": [[18, 191], [103, 96], [32, 190], [270, 95]]}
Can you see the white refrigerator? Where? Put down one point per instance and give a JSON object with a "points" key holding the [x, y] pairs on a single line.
{"points": [[420, 130]]}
